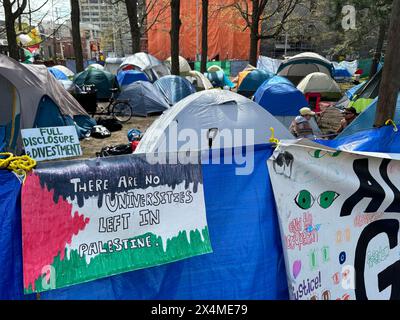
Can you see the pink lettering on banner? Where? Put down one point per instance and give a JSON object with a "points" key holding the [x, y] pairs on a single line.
{"points": [[302, 232], [366, 218]]}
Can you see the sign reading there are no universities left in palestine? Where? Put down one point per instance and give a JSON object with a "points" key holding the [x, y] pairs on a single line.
{"points": [[84, 220]]}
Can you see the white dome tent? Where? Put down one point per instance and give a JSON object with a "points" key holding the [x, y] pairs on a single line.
{"points": [[319, 82], [151, 66], [206, 114], [184, 67]]}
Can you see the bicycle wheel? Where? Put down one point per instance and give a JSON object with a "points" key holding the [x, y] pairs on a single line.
{"points": [[122, 111]]}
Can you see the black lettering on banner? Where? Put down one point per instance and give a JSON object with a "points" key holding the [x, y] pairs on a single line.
{"points": [[369, 188], [395, 206], [389, 276]]}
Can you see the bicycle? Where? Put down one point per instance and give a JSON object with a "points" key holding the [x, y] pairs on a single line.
{"points": [[118, 109]]}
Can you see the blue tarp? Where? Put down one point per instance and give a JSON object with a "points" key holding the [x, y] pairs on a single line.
{"points": [[10, 237], [383, 139], [247, 260], [280, 99], [125, 78], [58, 74], [366, 119], [351, 92], [341, 73]]}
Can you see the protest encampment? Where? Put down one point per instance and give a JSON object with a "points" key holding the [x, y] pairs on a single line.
{"points": [[199, 150]]}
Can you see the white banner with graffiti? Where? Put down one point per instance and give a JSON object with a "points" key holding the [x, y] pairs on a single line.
{"points": [[339, 218]]}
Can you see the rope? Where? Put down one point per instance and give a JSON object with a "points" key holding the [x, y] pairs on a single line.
{"points": [[272, 139], [390, 121], [20, 165]]}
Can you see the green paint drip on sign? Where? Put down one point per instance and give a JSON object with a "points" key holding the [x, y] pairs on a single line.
{"points": [[75, 269]]}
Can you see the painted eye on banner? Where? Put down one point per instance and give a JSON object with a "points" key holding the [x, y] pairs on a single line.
{"points": [[326, 199], [304, 199], [318, 154]]}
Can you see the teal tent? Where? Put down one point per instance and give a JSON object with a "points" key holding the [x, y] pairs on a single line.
{"points": [[253, 81], [102, 80]]}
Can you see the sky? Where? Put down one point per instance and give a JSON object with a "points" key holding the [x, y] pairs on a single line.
{"points": [[61, 7]]}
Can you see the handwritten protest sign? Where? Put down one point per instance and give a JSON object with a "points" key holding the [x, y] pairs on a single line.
{"points": [[339, 217], [51, 143], [95, 218]]}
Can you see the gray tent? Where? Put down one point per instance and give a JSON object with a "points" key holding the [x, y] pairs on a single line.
{"points": [[144, 98], [31, 97], [144, 62]]}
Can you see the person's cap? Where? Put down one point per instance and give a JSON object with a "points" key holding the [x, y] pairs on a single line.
{"points": [[307, 112]]}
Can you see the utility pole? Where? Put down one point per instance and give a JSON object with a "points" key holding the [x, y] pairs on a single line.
{"points": [[390, 83]]}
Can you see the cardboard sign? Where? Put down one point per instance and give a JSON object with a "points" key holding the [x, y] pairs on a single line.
{"points": [[51, 143], [95, 218], [339, 217]]}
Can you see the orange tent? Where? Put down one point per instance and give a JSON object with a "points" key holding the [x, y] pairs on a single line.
{"points": [[227, 38]]}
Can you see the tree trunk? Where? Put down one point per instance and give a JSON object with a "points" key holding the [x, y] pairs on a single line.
{"points": [[76, 35], [204, 36], [174, 33], [378, 52], [390, 83], [132, 10], [13, 49], [254, 36]]}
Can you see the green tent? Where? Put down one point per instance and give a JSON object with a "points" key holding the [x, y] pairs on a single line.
{"points": [[102, 80]]}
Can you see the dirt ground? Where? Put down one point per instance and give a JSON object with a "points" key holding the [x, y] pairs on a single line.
{"points": [[92, 145]]}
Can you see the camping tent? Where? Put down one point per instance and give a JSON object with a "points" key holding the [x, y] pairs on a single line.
{"points": [[252, 82], [112, 64], [341, 74], [125, 78], [282, 100], [174, 88], [151, 66], [214, 68], [184, 67], [243, 74], [219, 79], [268, 64], [64, 70], [301, 65], [31, 97], [144, 98], [199, 81], [349, 96], [206, 114], [366, 119], [363, 97], [319, 82], [95, 66], [58, 74], [102, 80]]}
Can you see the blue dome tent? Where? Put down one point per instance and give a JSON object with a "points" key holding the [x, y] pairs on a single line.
{"points": [[282, 100], [144, 98], [58, 74], [125, 78], [174, 88], [253, 81]]}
